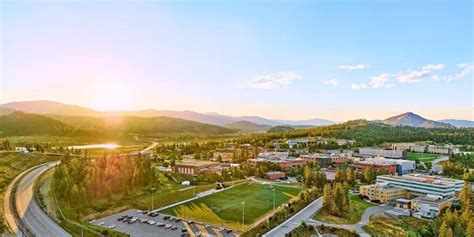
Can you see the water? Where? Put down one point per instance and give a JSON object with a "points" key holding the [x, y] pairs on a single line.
{"points": [[95, 146]]}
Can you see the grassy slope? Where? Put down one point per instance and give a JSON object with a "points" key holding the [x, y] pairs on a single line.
{"points": [[421, 156], [358, 207], [225, 207], [12, 164], [386, 226]]}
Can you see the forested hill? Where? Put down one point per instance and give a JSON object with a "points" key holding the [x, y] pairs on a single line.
{"points": [[20, 124], [371, 133]]}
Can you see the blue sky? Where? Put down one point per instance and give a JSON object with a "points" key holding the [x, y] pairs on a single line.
{"points": [[337, 60]]}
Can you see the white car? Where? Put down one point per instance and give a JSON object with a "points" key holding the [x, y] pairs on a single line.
{"points": [[111, 226], [101, 223], [151, 222], [92, 221], [167, 226]]}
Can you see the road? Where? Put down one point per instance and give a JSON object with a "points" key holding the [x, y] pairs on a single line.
{"points": [[434, 164], [32, 216], [304, 215]]}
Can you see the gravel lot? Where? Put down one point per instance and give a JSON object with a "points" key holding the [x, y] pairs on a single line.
{"points": [[138, 229]]}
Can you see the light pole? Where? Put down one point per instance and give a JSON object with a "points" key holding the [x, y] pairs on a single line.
{"points": [[273, 198], [194, 187], [153, 198], [243, 214]]}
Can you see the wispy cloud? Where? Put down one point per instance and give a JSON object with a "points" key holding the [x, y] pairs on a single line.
{"points": [[359, 86], [353, 67], [381, 81], [332, 82], [433, 67], [274, 81], [412, 76], [466, 70]]}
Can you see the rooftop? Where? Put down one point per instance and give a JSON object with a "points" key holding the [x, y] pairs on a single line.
{"points": [[421, 178]]}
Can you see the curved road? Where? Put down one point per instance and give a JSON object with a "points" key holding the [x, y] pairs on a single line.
{"points": [[32, 216]]}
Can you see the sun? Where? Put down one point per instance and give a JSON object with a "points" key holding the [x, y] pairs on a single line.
{"points": [[112, 96]]}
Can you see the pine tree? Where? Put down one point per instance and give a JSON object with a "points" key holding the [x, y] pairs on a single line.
{"points": [[465, 196], [327, 195]]}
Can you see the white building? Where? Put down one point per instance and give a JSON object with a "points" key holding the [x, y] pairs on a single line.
{"points": [[421, 185], [381, 152]]}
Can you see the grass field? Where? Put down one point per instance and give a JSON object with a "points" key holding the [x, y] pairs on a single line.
{"points": [[225, 208], [353, 216], [386, 226], [12, 164], [421, 156]]}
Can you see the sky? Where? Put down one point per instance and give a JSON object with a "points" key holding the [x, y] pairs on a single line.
{"points": [[336, 60]]}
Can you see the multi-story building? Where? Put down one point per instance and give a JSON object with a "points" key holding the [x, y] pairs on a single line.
{"points": [[194, 167], [369, 151], [280, 158], [275, 175], [445, 150], [430, 206], [413, 147], [324, 159], [382, 192], [422, 185], [393, 166]]}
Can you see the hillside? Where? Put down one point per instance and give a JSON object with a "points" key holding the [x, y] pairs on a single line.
{"points": [[50, 107], [280, 128], [141, 125], [459, 123], [19, 124], [413, 120], [246, 126]]}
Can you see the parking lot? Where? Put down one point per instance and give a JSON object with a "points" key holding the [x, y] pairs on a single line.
{"points": [[145, 225]]}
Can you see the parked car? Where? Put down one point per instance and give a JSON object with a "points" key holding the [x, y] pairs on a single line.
{"points": [[167, 226], [111, 226]]}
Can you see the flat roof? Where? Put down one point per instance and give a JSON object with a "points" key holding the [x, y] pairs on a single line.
{"points": [[196, 163], [421, 178]]}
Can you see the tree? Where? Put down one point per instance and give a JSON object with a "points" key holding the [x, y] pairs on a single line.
{"points": [[308, 177], [470, 229], [327, 195], [350, 176], [369, 174], [465, 196], [320, 180], [340, 176]]}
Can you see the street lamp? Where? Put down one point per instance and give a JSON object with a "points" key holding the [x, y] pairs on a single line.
{"points": [[194, 187], [243, 214], [273, 198], [153, 198]]}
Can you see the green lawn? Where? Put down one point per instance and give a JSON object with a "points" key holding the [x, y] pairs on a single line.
{"points": [[425, 157], [386, 226], [357, 208], [225, 208]]}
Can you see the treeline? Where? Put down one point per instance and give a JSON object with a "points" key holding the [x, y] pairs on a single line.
{"points": [[459, 166], [82, 182]]}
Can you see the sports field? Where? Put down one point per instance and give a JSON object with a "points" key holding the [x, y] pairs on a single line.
{"points": [[225, 208], [425, 157]]}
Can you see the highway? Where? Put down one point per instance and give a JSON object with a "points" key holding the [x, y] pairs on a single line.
{"points": [[32, 216], [304, 215]]}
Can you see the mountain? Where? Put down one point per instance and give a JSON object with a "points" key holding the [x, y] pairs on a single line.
{"points": [[459, 123], [246, 126], [281, 128], [141, 125], [413, 120], [51, 107], [19, 124]]}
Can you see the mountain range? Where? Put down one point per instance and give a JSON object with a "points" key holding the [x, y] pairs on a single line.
{"points": [[74, 115], [51, 107]]}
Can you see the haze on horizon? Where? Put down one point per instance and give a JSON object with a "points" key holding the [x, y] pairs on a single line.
{"points": [[281, 60]]}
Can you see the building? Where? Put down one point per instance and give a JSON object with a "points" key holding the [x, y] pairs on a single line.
{"points": [[369, 151], [422, 185], [280, 158], [297, 143], [393, 166], [273, 175], [194, 167], [429, 206], [413, 147], [342, 142], [382, 192], [325, 159], [445, 150]]}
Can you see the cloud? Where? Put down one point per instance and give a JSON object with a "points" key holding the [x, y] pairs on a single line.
{"points": [[353, 67], [359, 86], [412, 76], [433, 67], [435, 78], [380, 81], [273, 81], [466, 70], [332, 82]]}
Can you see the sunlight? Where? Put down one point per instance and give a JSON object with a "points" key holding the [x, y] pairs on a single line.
{"points": [[112, 96]]}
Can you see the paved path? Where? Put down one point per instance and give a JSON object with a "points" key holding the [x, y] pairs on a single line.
{"points": [[434, 164], [293, 222], [32, 216], [358, 226]]}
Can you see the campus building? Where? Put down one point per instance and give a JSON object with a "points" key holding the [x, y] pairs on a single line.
{"points": [[194, 167], [382, 192], [325, 159], [393, 166], [422, 185], [273, 175], [369, 151], [280, 158]]}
